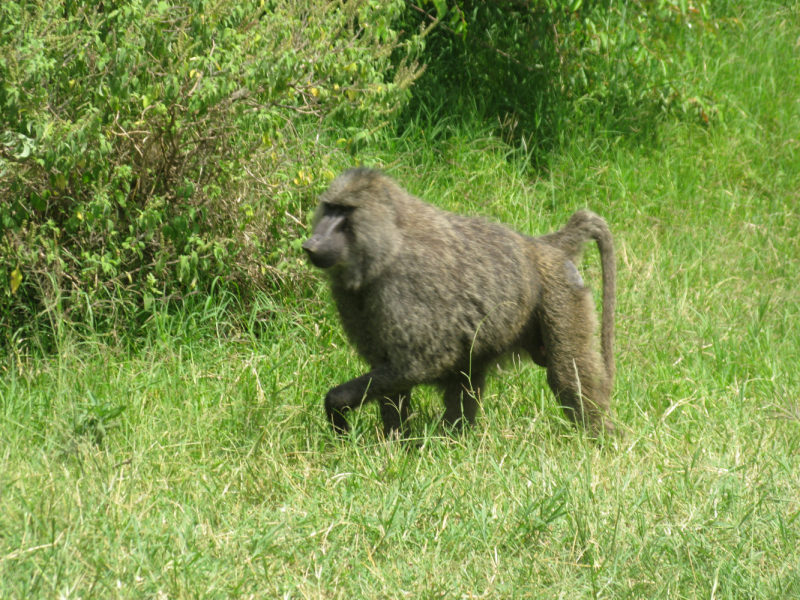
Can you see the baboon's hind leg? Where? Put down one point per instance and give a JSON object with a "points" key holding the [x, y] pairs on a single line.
{"points": [[394, 413], [575, 369], [461, 397]]}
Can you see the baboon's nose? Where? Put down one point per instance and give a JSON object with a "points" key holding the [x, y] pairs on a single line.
{"points": [[310, 246]]}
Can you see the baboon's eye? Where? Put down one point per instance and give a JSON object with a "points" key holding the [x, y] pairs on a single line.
{"points": [[338, 210], [335, 218], [340, 214]]}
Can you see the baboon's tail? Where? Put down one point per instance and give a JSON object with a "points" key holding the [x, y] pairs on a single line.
{"points": [[583, 226]]}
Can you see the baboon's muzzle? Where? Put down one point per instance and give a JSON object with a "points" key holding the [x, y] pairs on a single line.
{"points": [[318, 255], [326, 246]]}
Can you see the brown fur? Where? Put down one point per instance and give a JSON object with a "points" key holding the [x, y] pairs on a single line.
{"points": [[428, 296]]}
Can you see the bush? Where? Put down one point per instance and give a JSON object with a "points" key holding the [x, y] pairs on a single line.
{"points": [[542, 67], [128, 129]]}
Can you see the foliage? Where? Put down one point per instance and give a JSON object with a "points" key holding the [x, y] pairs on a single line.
{"points": [[95, 419], [127, 129], [540, 66]]}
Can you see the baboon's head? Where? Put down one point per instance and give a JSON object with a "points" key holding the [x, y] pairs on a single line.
{"points": [[356, 226]]}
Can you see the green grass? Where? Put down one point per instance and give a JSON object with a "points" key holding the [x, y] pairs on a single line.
{"points": [[220, 478]]}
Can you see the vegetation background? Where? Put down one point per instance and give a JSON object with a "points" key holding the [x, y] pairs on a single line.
{"points": [[164, 349]]}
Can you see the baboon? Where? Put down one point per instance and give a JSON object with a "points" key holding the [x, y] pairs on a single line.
{"points": [[431, 297]]}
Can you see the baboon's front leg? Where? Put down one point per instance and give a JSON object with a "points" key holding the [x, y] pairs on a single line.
{"points": [[378, 383]]}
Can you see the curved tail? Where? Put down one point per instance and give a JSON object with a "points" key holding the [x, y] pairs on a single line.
{"points": [[583, 226]]}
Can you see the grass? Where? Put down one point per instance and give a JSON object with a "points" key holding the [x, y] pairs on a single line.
{"points": [[219, 478]]}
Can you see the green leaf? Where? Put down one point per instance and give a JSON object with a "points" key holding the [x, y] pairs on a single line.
{"points": [[16, 280], [36, 201]]}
